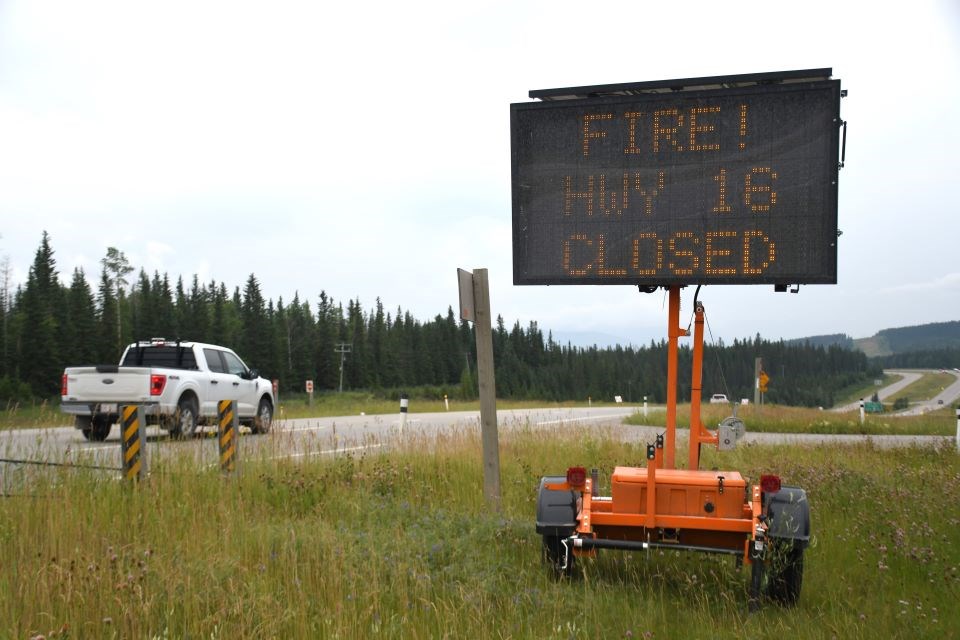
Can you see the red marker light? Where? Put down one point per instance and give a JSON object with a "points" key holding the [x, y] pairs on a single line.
{"points": [[63, 385], [769, 483], [157, 384], [577, 476]]}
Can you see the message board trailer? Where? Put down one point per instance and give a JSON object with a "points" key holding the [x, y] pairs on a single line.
{"points": [[721, 180]]}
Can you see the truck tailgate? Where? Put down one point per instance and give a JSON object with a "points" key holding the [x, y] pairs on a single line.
{"points": [[87, 384]]}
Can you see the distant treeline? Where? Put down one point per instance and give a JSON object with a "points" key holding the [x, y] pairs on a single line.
{"points": [[934, 359], [47, 326], [930, 338]]}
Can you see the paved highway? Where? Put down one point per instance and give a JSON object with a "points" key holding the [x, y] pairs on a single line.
{"points": [[315, 437], [949, 395], [946, 397]]}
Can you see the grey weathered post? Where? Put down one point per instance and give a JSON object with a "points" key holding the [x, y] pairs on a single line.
{"points": [[475, 306]]}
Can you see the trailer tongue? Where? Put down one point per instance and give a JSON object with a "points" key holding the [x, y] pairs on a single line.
{"points": [[764, 525]]}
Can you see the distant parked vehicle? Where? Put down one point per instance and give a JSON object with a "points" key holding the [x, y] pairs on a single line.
{"points": [[719, 398]]}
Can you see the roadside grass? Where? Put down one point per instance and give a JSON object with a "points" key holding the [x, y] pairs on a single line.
{"points": [[34, 414], [356, 402], [928, 386], [399, 544], [780, 419]]}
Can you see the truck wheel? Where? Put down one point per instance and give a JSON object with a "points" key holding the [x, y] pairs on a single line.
{"points": [[94, 429], [101, 428], [785, 566], [264, 418], [185, 420], [553, 555], [85, 425]]}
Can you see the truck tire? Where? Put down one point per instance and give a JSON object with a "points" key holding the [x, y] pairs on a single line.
{"points": [[94, 428], [185, 420], [85, 425], [264, 418]]}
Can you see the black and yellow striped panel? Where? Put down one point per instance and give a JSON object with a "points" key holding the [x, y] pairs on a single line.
{"points": [[131, 445], [226, 411]]}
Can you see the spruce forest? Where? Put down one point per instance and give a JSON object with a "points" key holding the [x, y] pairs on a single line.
{"points": [[48, 325]]}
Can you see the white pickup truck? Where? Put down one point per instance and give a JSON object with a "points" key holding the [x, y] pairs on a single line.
{"points": [[179, 384]]}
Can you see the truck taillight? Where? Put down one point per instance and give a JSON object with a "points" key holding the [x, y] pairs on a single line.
{"points": [[63, 385], [157, 383], [577, 476], [769, 483]]}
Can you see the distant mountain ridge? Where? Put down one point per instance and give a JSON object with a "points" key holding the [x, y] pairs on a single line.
{"points": [[924, 337]]}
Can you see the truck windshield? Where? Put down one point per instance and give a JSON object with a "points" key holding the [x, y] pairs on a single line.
{"points": [[171, 357]]}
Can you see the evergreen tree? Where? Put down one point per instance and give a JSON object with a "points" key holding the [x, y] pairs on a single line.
{"points": [[39, 342], [117, 268], [254, 340], [326, 360], [107, 321], [80, 330]]}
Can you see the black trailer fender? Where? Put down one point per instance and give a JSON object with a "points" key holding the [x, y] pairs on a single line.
{"points": [[788, 515], [556, 510]]}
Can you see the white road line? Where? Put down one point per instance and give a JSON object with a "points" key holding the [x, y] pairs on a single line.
{"points": [[306, 428], [326, 452], [603, 417]]}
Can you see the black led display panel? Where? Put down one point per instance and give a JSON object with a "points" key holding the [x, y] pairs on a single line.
{"points": [[709, 186]]}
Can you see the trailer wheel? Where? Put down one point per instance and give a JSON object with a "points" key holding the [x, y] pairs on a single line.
{"points": [[785, 567], [185, 420], [553, 555]]}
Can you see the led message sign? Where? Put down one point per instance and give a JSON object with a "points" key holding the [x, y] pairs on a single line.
{"points": [[659, 186]]}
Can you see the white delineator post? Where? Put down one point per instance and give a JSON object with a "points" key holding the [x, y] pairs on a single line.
{"points": [[404, 405], [958, 428], [863, 415], [644, 406]]}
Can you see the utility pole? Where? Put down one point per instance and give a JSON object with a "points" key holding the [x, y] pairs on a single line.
{"points": [[343, 349]]}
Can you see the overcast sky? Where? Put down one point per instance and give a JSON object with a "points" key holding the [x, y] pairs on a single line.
{"points": [[364, 148]]}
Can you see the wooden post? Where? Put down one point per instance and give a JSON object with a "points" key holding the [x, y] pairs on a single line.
{"points": [[488, 389]]}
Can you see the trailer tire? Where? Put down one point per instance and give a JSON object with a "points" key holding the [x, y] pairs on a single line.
{"points": [[785, 567], [186, 418], [553, 556]]}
